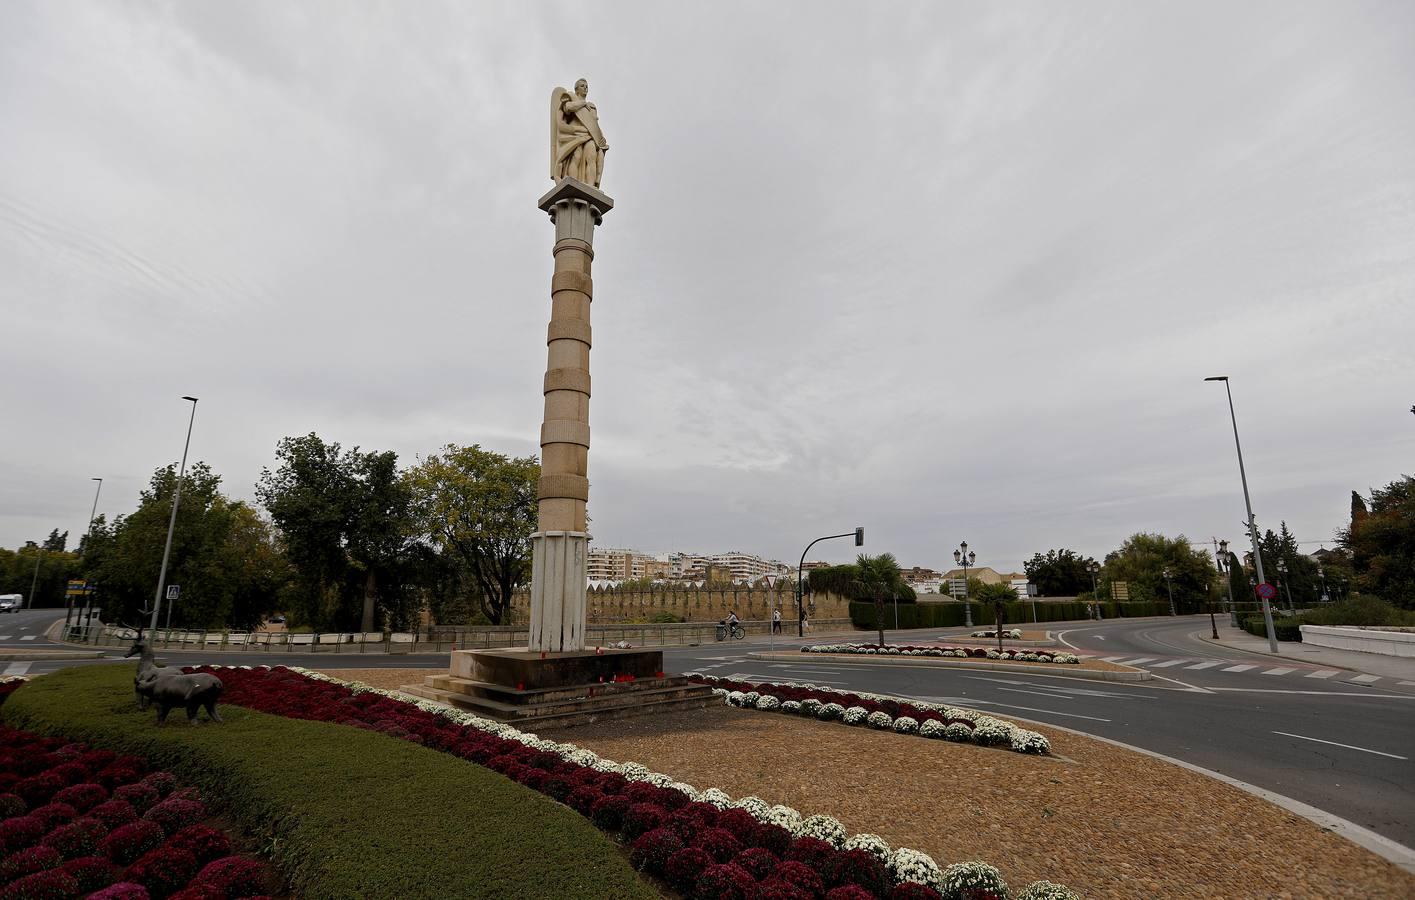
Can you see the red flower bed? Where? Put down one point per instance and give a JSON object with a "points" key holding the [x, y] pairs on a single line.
{"points": [[61, 837]]}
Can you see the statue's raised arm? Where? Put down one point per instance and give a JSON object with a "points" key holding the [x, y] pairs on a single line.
{"points": [[577, 146]]}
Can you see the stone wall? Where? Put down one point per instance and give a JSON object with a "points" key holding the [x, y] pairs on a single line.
{"points": [[693, 605]]}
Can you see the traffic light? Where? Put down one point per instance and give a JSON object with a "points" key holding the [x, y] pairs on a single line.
{"points": [[860, 537]]}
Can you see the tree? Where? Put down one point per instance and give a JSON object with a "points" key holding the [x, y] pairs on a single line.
{"points": [[1061, 573], [477, 508], [876, 576], [18, 568], [1280, 551], [379, 527], [1382, 543], [56, 542], [1141, 561]]}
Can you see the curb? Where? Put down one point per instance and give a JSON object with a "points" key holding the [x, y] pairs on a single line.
{"points": [[1396, 854], [941, 663], [48, 656]]}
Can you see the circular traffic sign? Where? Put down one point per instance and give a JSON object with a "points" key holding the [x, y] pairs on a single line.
{"points": [[1267, 591]]}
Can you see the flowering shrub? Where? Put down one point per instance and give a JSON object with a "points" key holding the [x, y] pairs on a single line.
{"points": [[872, 844], [51, 884], [860, 867], [759, 861], [684, 867], [1015, 634], [849, 892], [879, 720], [123, 890], [202, 841], [822, 828], [174, 814], [906, 725], [855, 715], [962, 881], [1046, 890], [1029, 655], [82, 797], [725, 881], [163, 871], [114, 813], [767, 702], [719, 844], [653, 849], [801, 875], [236, 876], [913, 866], [125, 844], [908, 890], [28, 861], [78, 838], [91, 872], [830, 712]]}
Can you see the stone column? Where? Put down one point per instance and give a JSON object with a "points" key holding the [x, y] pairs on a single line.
{"points": [[560, 543]]}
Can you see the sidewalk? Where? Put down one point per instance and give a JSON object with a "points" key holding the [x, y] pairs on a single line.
{"points": [[1400, 668]]}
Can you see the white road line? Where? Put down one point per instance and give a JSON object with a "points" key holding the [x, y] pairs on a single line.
{"points": [[1139, 660], [1038, 693], [1323, 673], [1279, 671], [1365, 679], [1238, 668], [1407, 683], [748, 676], [1167, 663], [1367, 694], [1204, 665], [5, 637], [1111, 658], [1051, 712], [28, 637], [17, 668], [1335, 744]]}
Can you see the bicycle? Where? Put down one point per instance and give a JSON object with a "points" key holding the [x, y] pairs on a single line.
{"points": [[738, 632]]}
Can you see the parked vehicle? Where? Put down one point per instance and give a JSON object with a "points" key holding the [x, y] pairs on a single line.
{"points": [[11, 602]]}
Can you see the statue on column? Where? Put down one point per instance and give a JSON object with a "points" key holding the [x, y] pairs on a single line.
{"points": [[577, 146]]}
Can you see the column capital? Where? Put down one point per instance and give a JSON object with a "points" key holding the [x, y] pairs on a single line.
{"points": [[568, 190]]}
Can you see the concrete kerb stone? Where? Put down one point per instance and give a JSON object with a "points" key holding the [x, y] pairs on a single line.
{"points": [[1060, 671], [1395, 853]]}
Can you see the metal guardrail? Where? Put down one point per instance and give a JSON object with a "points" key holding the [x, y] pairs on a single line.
{"points": [[442, 641]]}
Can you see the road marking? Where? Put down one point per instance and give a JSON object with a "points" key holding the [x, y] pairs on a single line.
{"points": [[1324, 673], [1365, 679], [1167, 663], [1035, 709], [1100, 637], [17, 668], [748, 676], [5, 637], [1204, 665], [1279, 671], [1335, 744], [1111, 658], [1038, 693], [28, 637], [1407, 683], [1139, 660], [1367, 694], [1238, 668]]}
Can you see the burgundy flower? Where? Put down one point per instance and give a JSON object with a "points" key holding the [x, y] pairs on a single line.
{"points": [[91, 872], [142, 796], [813, 852], [163, 871], [684, 867], [28, 861], [127, 842], [54, 814], [770, 837], [761, 863], [556, 788], [640, 818], [653, 849], [776, 889], [82, 797], [173, 815], [725, 881], [77, 838], [238, 876], [908, 890], [21, 832], [37, 789], [608, 812], [737, 821], [719, 843], [202, 841], [583, 799], [123, 890], [858, 867], [51, 884], [12, 805], [114, 813], [800, 874], [849, 892]]}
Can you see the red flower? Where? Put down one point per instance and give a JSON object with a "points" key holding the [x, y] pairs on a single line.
{"points": [[163, 871], [761, 863], [641, 818], [37, 789], [52, 884], [776, 889], [12, 805], [608, 811], [142, 796], [813, 852], [202, 841], [114, 813], [238, 876], [858, 867], [123, 890], [78, 838], [583, 799], [653, 849], [737, 821], [28, 861], [21, 832], [908, 890], [849, 892], [684, 867], [770, 837], [82, 796], [725, 881], [173, 815], [719, 843], [54, 814], [800, 874], [130, 841], [91, 872]]}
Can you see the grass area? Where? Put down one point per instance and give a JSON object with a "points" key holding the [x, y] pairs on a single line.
{"points": [[345, 812]]}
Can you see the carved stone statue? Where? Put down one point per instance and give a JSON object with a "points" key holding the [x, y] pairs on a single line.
{"points": [[577, 146], [172, 687]]}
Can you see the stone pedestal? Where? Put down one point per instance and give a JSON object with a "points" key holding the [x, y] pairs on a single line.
{"points": [[558, 566]]}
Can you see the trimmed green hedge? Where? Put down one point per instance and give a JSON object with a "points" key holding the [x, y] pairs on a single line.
{"points": [[1287, 629], [950, 615], [342, 811]]}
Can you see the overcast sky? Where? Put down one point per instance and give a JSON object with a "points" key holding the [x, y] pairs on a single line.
{"points": [[948, 271]]}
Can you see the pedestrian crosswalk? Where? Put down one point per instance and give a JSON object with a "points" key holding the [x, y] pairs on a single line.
{"points": [[1199, 665]]}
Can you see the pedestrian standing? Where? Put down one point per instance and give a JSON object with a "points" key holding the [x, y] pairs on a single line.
{"points": [[776, 620]]}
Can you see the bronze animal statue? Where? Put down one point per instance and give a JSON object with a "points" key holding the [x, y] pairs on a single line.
{"points": [[172, 687]]}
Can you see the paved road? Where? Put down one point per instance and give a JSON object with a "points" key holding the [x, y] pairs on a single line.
{"points": [[1331, 738]]}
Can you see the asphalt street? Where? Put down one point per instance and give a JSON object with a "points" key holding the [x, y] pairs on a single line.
{"points": [[1333, 738]]}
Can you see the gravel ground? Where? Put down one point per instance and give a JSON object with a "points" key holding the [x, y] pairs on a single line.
{"points": [[1105, 821]]}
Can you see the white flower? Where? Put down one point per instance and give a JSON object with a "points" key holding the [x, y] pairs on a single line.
{"points": [[822, 828], [754, 805], [990, 732], [960, 878], [634, 771], [584, 757], [767, 702], [784, 816], [687, 790], [993, 654], [1024, 741], [1047, 890], [719, 692], [856, 715], [879, 720], [658, 779], [735, 698], [810, 705], [791, 706], [872, 844], [906, 725], [830, 712], [716, 798], [750, 698], [932, 728], [911, 865], [958, 732]]}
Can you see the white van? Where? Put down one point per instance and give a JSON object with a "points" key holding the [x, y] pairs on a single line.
{"points": [[11, 602]]}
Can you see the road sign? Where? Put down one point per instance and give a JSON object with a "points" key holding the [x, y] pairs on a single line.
{"points": [[1120, 590], [1266, 591], [79, 588], [173, 591]]}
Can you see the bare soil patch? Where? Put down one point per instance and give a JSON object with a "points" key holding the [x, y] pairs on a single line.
{"points": [[1105, 821]]}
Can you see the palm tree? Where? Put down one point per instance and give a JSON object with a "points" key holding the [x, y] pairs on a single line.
{"points": [[874, 577]]}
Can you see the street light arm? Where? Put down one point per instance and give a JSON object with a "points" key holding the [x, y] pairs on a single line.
{"points": [[800, 567]]}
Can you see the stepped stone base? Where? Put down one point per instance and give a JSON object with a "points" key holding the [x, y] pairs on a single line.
{"points": [[532, 690]]}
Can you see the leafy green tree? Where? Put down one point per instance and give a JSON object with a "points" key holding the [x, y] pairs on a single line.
{"points": [[993, 593], [1141, 561], [875, 577], [477, 508], [56, 542], [17, 573], [1281, 551], [1382, 543], [1060, 573]]}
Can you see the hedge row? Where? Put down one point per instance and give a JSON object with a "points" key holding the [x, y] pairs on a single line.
{"points": [[1287, 629], [949, 615], [346, 812]]}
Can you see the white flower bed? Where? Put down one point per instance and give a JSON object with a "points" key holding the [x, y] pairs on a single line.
{"points": [[1015, 634], [960, 879], [879, 720], [906, 725], [1027, 655], [1047, 890], [856, 715], [903, 864]]}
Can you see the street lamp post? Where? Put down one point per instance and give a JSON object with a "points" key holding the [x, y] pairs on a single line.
{"points": [[1322, 574], [1224, 565], [86, 616], [172, 522], [1252, 525], [34, 582], [858, 534], [1170, 588], [1095, 569], [966, 558]]}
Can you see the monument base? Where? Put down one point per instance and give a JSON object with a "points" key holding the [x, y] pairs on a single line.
{"points": [[528, 688]]}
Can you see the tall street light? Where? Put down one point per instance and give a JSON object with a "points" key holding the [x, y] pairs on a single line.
{"points": [[34, 582], [1222, 562], [858, 534], [1252, 525], [172, 522], [1094, 568], [86, 616], [1170, 588], [966, 558]]}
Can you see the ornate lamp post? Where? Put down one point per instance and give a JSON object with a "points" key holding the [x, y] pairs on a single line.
{"points": [[1094, 568], [963, 557], [1322, 574], [1222, 561], [1170, 588]]}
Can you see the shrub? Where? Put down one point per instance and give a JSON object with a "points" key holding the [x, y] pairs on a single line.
{"points": [[123, 890], [91, 872], [52, 815], [127, 842], [653, 849], [608, 811], [237, 876], [142, 796], [849, 892], [725, 881], [78, 838], [719, 844], [28, 861], [758, 861], [641, 818], [684, 867], [776, 889], [858, 867], [202, 841], [737, 821], [1046, 890], [801, 874], [163, 871], [11, 806], [51, 884], [162, 782], [174, 814], [37, 789], [823, 828], [82, 797], [908, 890], [21, 832], [962, 881], [113, 813], [906, 725], [583, 799], [771, 837]]}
